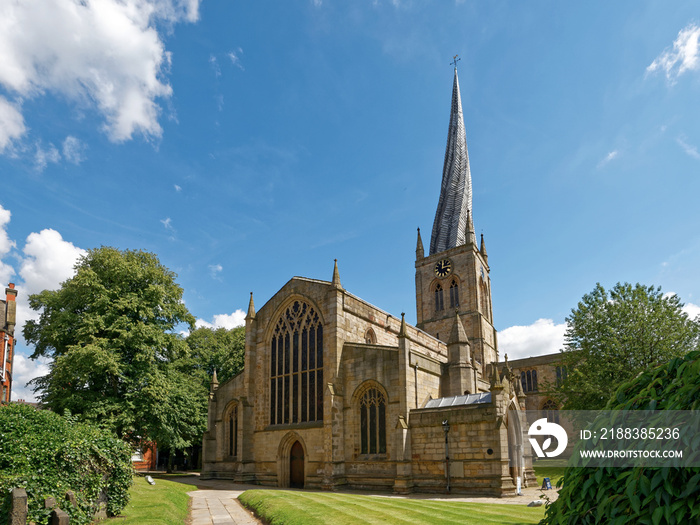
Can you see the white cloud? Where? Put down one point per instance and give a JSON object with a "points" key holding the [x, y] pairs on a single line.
{"points": [[102, 54], [610, 156], [541, 337], [215, 270], [11, 123], [685, 55], [6, 246], [167, 222], [693, 310], [23, 371], [74, 150], [48, 261], [227, 321], [236, 59], [690, 150], [178, 188], [214, 65], [43, 156]]}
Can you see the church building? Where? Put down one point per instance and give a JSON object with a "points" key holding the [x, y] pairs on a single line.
{"points": [[337, 393]]}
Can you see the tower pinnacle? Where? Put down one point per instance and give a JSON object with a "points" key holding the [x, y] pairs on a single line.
{"points": [[450, 226]]}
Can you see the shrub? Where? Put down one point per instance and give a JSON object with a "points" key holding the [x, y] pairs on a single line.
{"points": [[638, 495], [48, 455]]}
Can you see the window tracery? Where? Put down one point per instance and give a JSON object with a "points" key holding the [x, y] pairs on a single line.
{"points": [[454, 294], [439, 301], [373, 422], [296, 366]]}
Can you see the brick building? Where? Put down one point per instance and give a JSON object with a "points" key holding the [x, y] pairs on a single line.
{"points": [[336, 392], [8, 319]]}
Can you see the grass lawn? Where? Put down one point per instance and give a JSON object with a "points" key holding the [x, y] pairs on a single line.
{"points": [[165, 503], [549, 468], [299, 507]]}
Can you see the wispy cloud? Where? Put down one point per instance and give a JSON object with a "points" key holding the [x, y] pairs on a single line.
{"points": [[214, 63], [178, 188], [11, 124], [167, 222], [689, 149], [235, 57], [42, 157], [74, 150], [683, 56], [215, 270], [609, 157]]}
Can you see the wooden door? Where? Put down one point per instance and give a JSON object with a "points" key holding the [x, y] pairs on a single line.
{"points": [[296, 466]]}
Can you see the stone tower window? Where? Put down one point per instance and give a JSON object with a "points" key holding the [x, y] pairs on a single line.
{"points": [[373, 422], [439, 301], [296, 366], [232, 431], [454, 294]]}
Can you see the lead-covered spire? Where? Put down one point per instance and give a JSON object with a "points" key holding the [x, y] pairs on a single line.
{"points": [[450, 226]]}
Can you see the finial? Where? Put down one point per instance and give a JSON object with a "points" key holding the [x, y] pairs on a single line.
{"points": [[455, 60], [251, 308], [471, 238], [336, 276], [483, 249], [420, 252], [402, 330], [214, 385]]}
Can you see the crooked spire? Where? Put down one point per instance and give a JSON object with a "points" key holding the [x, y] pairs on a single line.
{"points": [[450, 226]]}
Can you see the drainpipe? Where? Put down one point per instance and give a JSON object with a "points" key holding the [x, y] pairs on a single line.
{"points": [[4, 356], [446, 429]]}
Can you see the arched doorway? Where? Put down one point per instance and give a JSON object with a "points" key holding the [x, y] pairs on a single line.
{"points": [[296, 466], [515, 444]]}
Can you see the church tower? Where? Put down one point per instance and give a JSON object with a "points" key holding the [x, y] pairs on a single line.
{"points": [[454, 277]]}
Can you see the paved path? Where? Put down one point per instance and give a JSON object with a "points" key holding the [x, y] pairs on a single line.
{"points": [[215, 502]]}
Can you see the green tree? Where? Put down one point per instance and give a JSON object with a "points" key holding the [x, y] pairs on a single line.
{"points": [[640, 494], [217, 349], [111, 331], [613, 336]]}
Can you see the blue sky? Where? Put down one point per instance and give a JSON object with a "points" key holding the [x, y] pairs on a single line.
{"points": [[248, 142]]}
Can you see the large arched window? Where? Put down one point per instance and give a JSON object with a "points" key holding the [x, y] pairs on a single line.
{"points": [[232, 431], [296, 366], [454, 294], [439, 301], [373, 422]]}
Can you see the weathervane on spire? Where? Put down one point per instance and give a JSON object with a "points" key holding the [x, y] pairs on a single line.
{"points": [[455, 60]]}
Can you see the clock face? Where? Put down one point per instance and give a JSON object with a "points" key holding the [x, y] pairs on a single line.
{"points": [[443, 268]]}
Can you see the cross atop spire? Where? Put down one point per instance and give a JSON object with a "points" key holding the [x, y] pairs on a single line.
{"points": [[455, 60], [450, 226]]}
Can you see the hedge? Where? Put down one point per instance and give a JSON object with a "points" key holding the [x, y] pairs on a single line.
{"points": [[48, 455]]}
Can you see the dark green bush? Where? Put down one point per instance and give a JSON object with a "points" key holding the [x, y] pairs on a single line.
{"points": [[638, 495], [48, 455]]}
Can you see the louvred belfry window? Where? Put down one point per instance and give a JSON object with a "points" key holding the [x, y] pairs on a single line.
{"points": [[296, 366]]}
